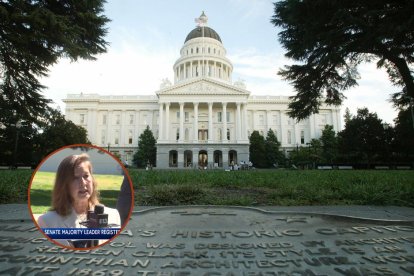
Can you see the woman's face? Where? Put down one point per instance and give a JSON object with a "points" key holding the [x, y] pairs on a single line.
{"points": [[81, 187]]}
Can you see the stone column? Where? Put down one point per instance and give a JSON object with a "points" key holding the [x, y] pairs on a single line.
{"points": [[296, 135], [244, 123], [195, 138], [210, 122], [108, 126], [224, 121], [283, 123], [238, 122], [122, 129], [253, 120], [160, 123], [136, 128], [167, 121], [181, 122], [311, 127], [268, 121]]}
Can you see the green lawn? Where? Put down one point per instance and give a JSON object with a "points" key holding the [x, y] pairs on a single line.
{"points": [[42, 185], [246, 188], [274, 187]]}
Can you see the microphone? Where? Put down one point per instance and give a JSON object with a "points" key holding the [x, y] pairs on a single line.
{"points": [[97, 219], [94, 219]]}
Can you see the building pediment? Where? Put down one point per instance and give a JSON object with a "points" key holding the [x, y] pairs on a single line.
{"points": [[203, 86]]}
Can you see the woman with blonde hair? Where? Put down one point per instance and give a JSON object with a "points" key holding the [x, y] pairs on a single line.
{"points": [[75, 192]]}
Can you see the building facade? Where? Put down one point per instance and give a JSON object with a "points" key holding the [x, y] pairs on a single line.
{"points": [[202, 119]]}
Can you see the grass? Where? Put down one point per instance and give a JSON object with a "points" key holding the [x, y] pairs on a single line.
{"points": [[244, 188], [274, 187], [42, 185]]}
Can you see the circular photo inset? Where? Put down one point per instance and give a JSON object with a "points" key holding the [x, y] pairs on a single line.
{"points": [[80, 196]]}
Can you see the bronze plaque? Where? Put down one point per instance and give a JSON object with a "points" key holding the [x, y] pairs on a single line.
{"points": [[213, 241]]}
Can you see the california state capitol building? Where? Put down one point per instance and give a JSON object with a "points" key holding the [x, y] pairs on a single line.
{"points": [[202, 119]]}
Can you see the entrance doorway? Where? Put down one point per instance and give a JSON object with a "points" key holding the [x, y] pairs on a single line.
{"points": [[188, 158], [218, 158], [202, 158], [233, 157]]}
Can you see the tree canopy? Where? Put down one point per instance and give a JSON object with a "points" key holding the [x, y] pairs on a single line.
{"points": [[25, 142], [147, 150], [363, 137], [274, 156], [329, 39], [34, 35], [257, 150]]}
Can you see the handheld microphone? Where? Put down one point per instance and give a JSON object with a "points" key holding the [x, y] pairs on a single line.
{"points": [[94, 219], [97, 218]]}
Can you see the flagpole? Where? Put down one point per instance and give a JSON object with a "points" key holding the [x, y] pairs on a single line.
{"points": [[202, 21]]}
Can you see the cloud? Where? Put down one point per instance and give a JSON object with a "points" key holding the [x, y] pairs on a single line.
{"points": [[133, 69]]}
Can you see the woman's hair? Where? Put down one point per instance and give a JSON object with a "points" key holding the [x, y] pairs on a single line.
{"points": [[61, 198]]}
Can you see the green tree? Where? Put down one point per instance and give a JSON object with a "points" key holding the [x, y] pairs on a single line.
{"points": [[147, 151], [55, 132], [363, 138], [347, 115], [16, 140], [274, 156], [257, 150], [404, 136], [329, 144], [315, 151], [37, 139], [300, 156], [33, 36], [330, 39]]}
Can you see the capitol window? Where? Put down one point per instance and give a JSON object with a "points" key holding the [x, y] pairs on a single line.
{"points": [[104, 119], [103, 138], [302, 137], [219, 119], [82, 118], [116, 138], [118, 119], [131, 119], [275, 120], [261, 119], [130, 137]]}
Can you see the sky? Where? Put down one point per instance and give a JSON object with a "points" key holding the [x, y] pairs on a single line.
{"points": [[145, 38]]}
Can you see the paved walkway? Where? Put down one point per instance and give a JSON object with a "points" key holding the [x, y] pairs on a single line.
{"points": [[21, 211]]}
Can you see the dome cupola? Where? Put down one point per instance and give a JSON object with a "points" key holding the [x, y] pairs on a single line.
{"points": [[203, 55]]}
